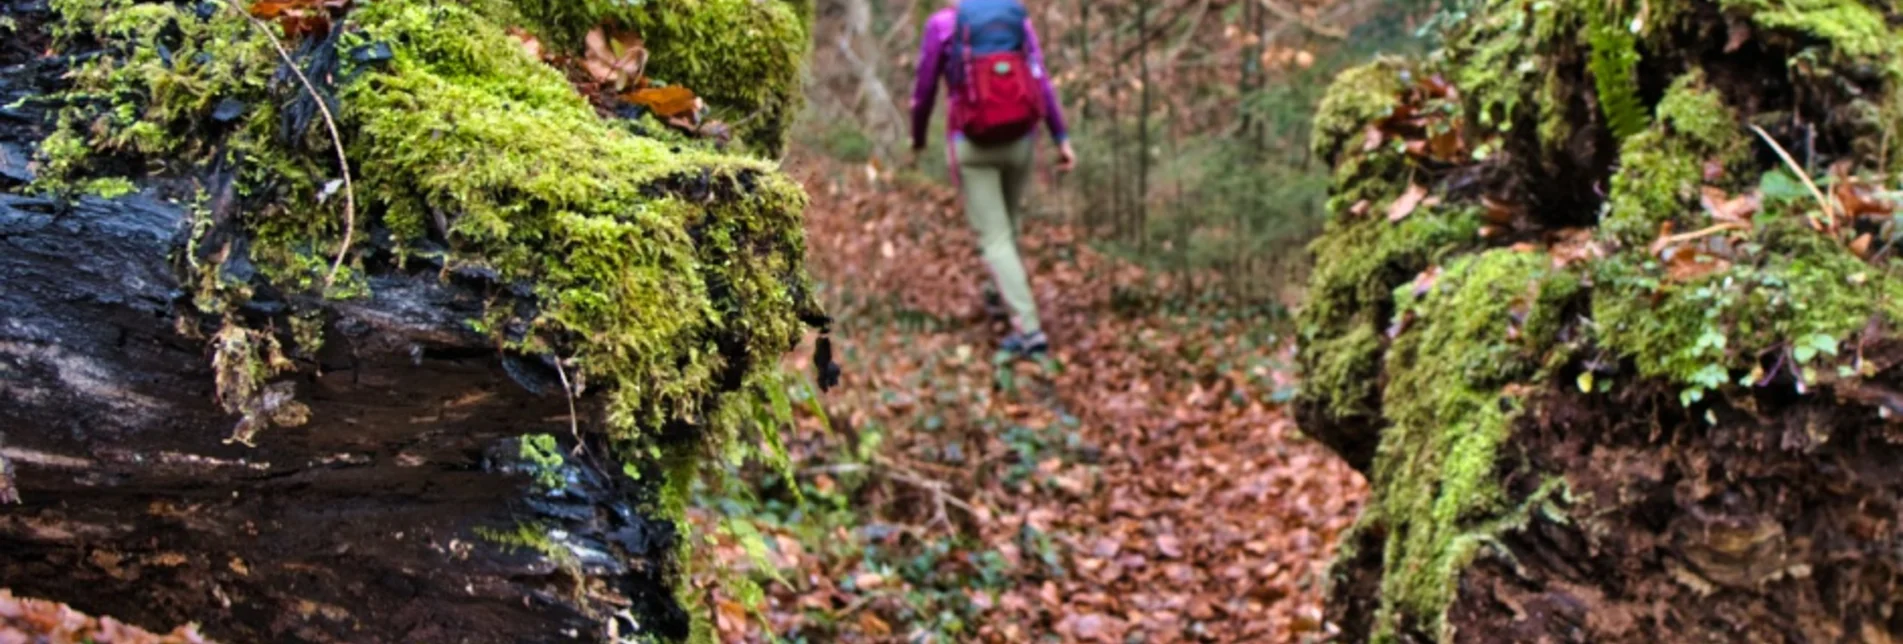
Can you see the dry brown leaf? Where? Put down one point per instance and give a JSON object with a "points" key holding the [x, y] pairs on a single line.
{"points": [[1426, 280], [1372, 139], [1861, 245], [1726, 208], [1574, 245], [1497, 212], [530, 44], [1170, 546], [665, 102], [1740, 34], [1856, 201], [1408, 201], [1686, 263]]}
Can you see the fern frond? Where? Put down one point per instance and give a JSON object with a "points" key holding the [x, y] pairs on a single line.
{"points": [[1614, 65]]}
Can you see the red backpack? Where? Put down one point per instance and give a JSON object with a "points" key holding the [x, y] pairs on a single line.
{"points": [[999, 94]]}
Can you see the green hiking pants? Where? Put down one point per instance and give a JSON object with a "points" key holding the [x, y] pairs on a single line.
{"points": [[994, 179]]}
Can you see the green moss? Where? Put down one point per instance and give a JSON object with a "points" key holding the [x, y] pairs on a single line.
{"points": [[1791, 286], [1359, 261], [541, 452], [1662, 169], [1499, 57], [1851, 27], [745, 57], [1357, 97], [1487, 323]]}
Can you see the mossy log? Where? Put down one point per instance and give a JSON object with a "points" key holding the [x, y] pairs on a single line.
{"points": [[367, 524], [1615, 371], [482, 430]]}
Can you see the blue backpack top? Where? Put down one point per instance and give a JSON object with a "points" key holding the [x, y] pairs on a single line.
{"points": [[986, 27]]}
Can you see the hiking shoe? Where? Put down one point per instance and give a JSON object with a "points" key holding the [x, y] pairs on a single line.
{"points": [[1026, 344]]}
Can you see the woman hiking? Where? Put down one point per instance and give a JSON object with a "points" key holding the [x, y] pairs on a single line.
{"points": [[997, 92]]}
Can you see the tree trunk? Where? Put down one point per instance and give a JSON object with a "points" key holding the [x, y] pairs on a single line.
{"points": [[1582, 423]]}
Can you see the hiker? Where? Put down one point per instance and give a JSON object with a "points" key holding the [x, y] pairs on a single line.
{"points": [[996, 94]]}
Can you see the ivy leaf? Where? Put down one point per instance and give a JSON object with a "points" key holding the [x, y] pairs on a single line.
{"points": [[1810, 346], [1779, 186]]}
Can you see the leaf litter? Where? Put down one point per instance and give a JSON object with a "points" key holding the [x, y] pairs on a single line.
{"points": [[1151, 489]]}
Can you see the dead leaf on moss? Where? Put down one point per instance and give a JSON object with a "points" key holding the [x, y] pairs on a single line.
{"points": [[1861, 245], [1856, 200], [1405, 205], [530, 44], [665, 102], [1688, 263], [1573, 245], [297, 17], [1726, 208], [1426, 280], [614, 59], [1497, 212]]}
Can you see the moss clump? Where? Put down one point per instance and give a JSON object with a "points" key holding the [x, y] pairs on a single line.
{"points": [[1489, 322], [646, 285], [1789, 288], [1358, 96], [544, 457], [1501, 57], [745, 57], [1852, 28], [1662, 168]]}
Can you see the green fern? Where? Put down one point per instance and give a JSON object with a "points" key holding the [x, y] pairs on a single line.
{"points": [[1614, 63]]}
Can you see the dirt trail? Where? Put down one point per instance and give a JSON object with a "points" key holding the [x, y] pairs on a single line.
{"points": [[1149, 490]]}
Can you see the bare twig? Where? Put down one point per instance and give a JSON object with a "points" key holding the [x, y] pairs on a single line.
{"points": [[568, 391], [336, 139], [1665, 242], [1822, 202], [889, 470]]}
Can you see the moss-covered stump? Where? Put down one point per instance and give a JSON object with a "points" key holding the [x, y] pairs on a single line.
{"points": [[1606, 310], [457, 398]]}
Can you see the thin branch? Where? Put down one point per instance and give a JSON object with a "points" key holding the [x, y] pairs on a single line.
{"points": [[1666, 242], [336, 139], [1822, 202], [568, 391]]}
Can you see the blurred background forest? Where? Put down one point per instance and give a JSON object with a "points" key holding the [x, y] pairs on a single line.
{"points": [[1191, 119]]}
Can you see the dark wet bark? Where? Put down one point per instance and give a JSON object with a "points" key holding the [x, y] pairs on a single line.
{"points": [[364, 525]]}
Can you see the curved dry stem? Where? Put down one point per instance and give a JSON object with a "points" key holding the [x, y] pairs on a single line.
{"points": [[336, 139]]}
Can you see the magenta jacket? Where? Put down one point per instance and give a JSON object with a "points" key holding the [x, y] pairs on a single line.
{"points": [[932, 58]]}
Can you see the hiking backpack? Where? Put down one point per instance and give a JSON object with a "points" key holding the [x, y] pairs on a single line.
{"points": [[997, 80]]}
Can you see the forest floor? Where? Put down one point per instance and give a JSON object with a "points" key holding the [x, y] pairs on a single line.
{"points": [[1146, 485]]}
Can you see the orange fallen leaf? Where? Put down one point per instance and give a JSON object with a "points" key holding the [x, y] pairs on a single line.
{"points": [[1861, 245], [665, 102]]}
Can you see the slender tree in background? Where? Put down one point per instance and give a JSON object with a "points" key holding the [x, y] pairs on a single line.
{"points": [[1140, 216]]}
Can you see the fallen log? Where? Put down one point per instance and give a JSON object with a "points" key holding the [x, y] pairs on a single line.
{"points": [[481, 432]]}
